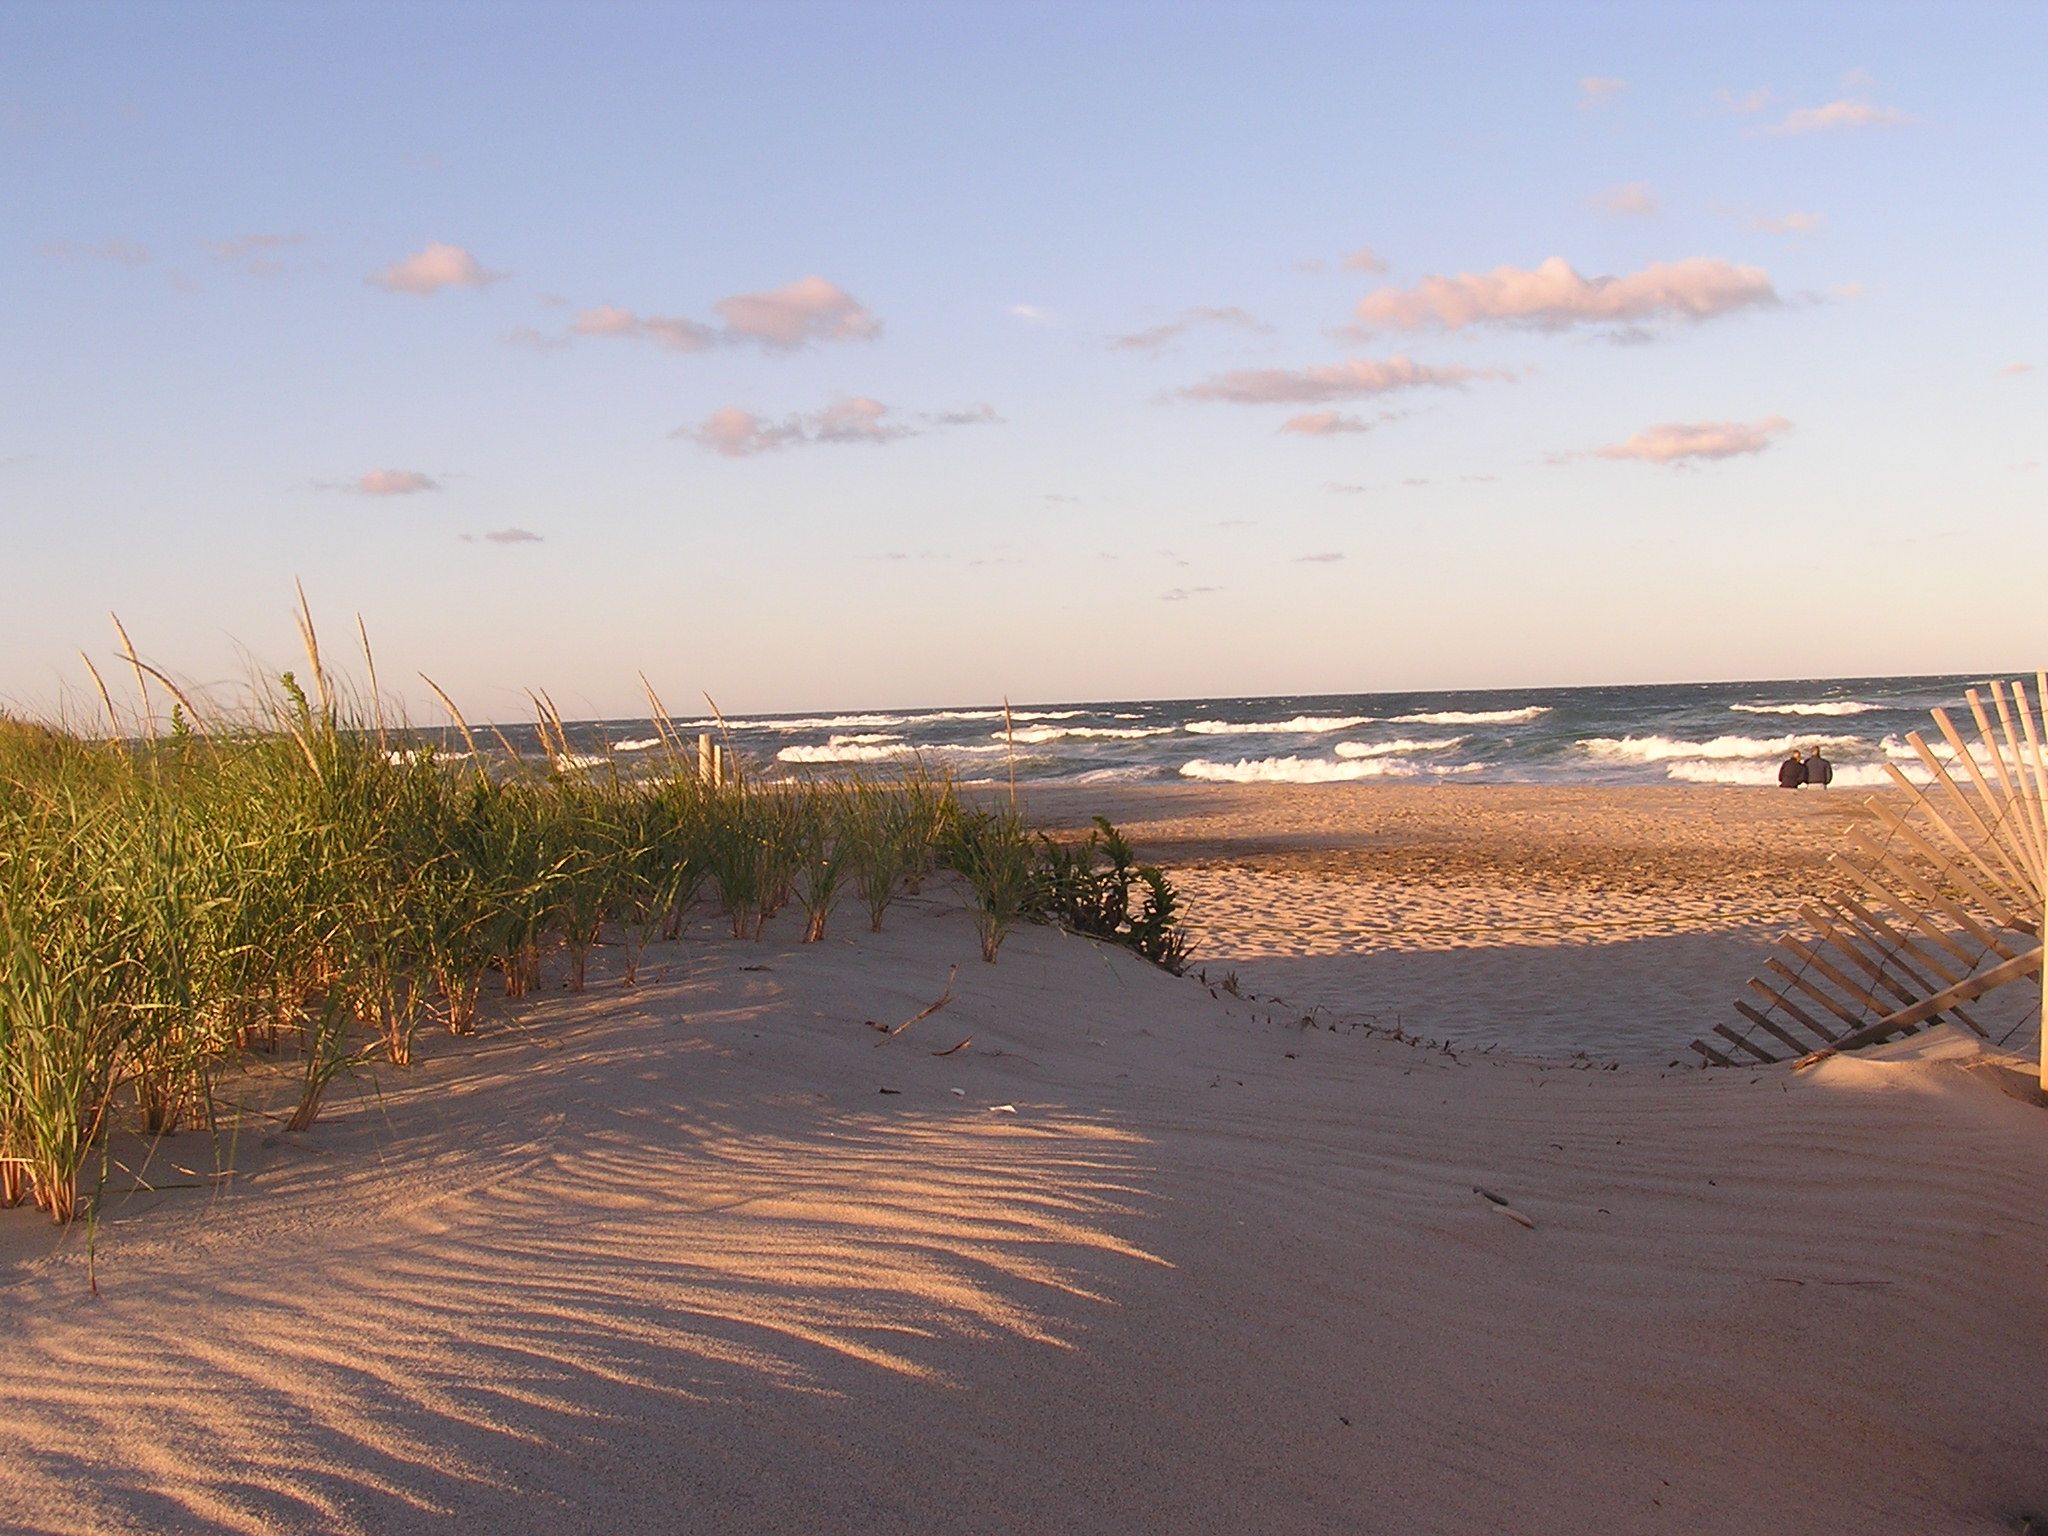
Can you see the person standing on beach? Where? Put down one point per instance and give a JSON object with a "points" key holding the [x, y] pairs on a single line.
{"points": [[1791, 772], [1818, 769]]}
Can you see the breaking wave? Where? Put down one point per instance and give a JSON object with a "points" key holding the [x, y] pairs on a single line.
{"points": [[638, 744], [1358, 749], [1300, 725], [1822, 707], [1661, 749], [1472, 716], [1292, 770], [1035, 734]]}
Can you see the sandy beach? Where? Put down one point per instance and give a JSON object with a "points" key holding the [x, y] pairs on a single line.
{"points": [[711, 1254]]}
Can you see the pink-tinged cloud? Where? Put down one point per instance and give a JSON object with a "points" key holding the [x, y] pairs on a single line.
{"points": [[740, 434], [1326, 557], [396, 482], [672, 332], [255, 254], [809, 309], [1635, 200], [2015, 370], [1846, 113], [1786, 223], [1743, 103], [1365, 259], [1324, 424], [429, 270], [1679, 442], [512, 536], [125, 253], [1354, 379], [1553, 296], [1596, 89], [1158, 336]]}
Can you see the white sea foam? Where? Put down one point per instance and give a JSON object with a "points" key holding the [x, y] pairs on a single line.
{"points": [[1662, 749], [874, 749], [572, 760], [1034, 734], [1401, 747], [639, 744], [1472, 716], [843, 752], [807, 723], [1294, 770], [1300, 725], [1822, 707], [1124, 775], [1899, 750]]}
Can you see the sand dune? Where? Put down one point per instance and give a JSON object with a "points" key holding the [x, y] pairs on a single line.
{"points": [[668, 1259]]}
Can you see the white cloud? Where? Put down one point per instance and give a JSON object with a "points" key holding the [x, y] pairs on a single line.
{"points": [[1031, 313], [1553, 296], [1596, 90], [124, 253], [1635, 200], [1743, 103], [255, 254], [1365, 259], [535, 340], [809, 309], [432, 268], [1324, 424], [1678, 442], [396, 482], [1794, 223], [1182, 594], [1159, 335], [1846, 113], [670, 331], [1354, 379], [739, 433], [1326, 557]]}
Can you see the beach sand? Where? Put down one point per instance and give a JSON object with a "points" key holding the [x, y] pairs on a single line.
{"points": [[672, 1259]]}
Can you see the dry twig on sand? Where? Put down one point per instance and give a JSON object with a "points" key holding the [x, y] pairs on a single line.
{"points": [[943, 999]]}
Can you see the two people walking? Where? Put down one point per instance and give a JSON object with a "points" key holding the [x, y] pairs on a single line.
{"points": [[1816, 770]]}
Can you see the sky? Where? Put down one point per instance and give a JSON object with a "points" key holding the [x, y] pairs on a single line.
{"points": [[836, 356]]}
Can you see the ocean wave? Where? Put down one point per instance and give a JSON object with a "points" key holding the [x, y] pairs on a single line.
{"points": [[807, 723], [567, 761], [1035, 734], [638, 744], [1357, 749], [1847, 775], [1294, 770], [1822, 707], [1660, 749], [1300, 725], [1134, 774], [1472, 716], [854, 749]]}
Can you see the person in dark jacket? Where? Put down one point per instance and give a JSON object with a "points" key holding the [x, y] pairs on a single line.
{"points": [[1791, 772], [1818, 769]]}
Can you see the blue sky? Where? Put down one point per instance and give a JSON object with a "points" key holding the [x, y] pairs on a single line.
{"points": [[828, 356]]}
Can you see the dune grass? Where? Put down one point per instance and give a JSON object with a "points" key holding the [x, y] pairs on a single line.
{"points": [[309, 883]]}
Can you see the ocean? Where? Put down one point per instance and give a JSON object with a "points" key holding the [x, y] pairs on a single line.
{"points": [[1686, 733]]}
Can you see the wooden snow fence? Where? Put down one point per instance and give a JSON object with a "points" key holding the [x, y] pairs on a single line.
{"points": [[1919, 941]]}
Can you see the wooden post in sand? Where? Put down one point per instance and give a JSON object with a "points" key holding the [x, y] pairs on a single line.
{"points": [[707, 759], [1976, 834]]}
